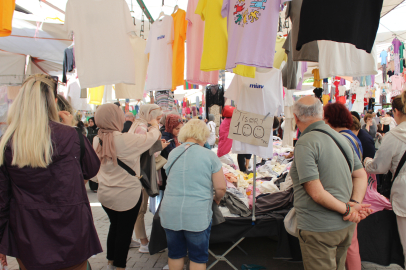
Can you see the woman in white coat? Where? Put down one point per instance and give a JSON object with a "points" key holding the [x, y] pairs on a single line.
{"points": [[387, 158]]}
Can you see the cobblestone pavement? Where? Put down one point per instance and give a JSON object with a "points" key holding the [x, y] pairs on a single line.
{"points": [[257, 254]]}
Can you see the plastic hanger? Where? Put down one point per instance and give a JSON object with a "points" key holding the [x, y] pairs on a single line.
{"points": [[175, 9], [162, 14]]}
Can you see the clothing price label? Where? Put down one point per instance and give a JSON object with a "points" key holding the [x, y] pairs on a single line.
{"points": [[251, 128]]}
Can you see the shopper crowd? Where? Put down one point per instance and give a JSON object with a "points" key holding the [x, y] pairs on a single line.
{"points": [[43, 177]]}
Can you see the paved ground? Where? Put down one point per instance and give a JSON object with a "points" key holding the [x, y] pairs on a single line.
{"points": [[259, 250]]}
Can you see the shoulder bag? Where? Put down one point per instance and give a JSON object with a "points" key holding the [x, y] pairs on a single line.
{"points": [[387, 182], [179, 157], [290, 220]]}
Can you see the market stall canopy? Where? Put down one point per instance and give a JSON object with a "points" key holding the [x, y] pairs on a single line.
{"points": [[389, 5], [11, 68]]}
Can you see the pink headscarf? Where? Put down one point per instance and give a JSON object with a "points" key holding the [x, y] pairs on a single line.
{"points": [[172, 122], [109, 118]]}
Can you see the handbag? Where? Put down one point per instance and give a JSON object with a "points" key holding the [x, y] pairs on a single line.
{"points": [[386, 186], [290, 220], [160, 161]]}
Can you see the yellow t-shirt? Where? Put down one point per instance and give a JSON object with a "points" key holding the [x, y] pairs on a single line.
{"points": [[245, 71], [6, 17], [317, 82], [178, 63], [280, 54], [96, 95], [326, 99]]}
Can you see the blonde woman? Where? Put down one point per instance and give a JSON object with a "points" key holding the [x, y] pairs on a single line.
{"points": [[120, 192], [186, 210], [45, 216]]}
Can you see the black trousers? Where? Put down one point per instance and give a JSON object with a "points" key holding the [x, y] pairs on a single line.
{"points": [[241, 161], [120, 232]]}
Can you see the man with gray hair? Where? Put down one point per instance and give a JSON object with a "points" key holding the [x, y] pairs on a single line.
{"points": [[329, 185], [129, 119]]}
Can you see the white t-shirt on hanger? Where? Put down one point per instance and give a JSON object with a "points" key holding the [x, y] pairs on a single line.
{"points": [[159, 46], [103, 52], [344, 59], [136, 91], [262, 95], [341, 90]]}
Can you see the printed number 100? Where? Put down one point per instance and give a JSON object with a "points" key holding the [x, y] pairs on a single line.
{"points": [[247, 130]]}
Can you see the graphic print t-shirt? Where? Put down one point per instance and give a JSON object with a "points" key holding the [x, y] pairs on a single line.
{"points": [[252, 29], [261, 95], [159, 46]]}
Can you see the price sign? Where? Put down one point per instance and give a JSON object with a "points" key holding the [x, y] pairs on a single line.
{"points": [[251, 128]]}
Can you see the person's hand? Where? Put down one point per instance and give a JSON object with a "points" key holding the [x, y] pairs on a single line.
{"points": [[164, 143], [353, 216], [66, 117], [364, 210], [154, 123], [205, 120], [217, 201], [3, 260], [367, 160]]}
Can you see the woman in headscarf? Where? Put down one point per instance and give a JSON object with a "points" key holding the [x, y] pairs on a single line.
{"points": [[146, 114], [120, 192], [46, 220], [92, 130], [173, 125]]}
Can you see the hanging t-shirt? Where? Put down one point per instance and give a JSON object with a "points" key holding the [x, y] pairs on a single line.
{"points": [[280, 54], [261, 95], [178, 62], [78, 103], [103, 50], [396, 44], [384, 57], [361, 22], [334, 59], [159, 46], [96, 95], [317, 81], [6, 17], [359, 101], [397, 82], [194, 40], [341, 90], [252, 29], [245, 71], [326, 99], [309, 51], [135, 91]]}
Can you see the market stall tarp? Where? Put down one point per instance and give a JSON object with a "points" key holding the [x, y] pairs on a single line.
{"points": [[11, 67], [389, 5]]}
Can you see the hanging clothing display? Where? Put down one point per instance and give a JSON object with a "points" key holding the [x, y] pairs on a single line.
{"points": [[280, 52], [303, 70], [361, 22], [334, 58], [309, 51], [325, 99], [68, 63], [165, 99], [96, 95], [74, 93], [178, 62], [252, 30], [101, 58], [261, 95], [358, 105], [214, 96], [317, 81], [6, 14], [289, 71], [135, 91], [215, 110], [194, 39], [159, 46]]}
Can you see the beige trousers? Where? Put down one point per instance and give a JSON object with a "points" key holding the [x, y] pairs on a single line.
{"points": [[139, 227], [325, 250]]}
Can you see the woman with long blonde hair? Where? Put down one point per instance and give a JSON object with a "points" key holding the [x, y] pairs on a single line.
{"points": [[45, 216]]}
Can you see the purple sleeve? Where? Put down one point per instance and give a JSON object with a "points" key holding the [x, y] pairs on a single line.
{"points": [[225, 8], [90, 161], [5, 196]]}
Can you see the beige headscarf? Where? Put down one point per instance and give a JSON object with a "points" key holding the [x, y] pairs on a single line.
{"points": [[146, 113], [109, 118]]}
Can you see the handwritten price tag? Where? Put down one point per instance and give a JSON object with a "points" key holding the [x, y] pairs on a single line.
{"points": [[251, 128]]}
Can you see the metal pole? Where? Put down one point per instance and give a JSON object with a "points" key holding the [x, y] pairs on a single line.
{"points": [[254, 189]]}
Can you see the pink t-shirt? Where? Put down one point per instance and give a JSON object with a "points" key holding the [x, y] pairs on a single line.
{"points": [[194, 49], [397, 82]]}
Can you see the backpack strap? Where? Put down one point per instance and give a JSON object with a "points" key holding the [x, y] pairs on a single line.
{"points": [[354, 141], [339, 146]]}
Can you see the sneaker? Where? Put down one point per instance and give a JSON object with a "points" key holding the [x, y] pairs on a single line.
{"points": [[166, 267], [144, 249], [135, 244]]}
